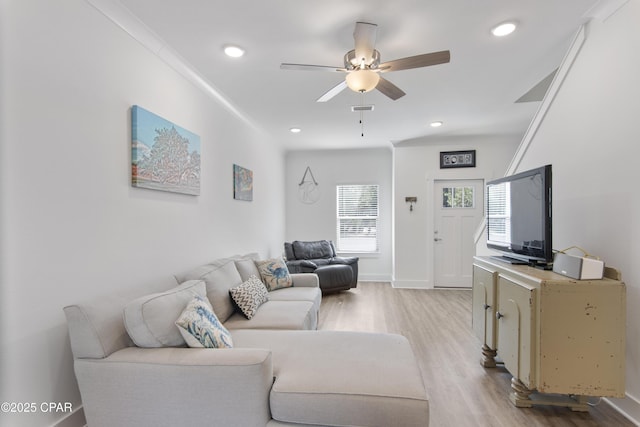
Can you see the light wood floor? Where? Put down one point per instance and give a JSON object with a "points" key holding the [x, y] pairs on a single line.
{"points": [[437, 322]]}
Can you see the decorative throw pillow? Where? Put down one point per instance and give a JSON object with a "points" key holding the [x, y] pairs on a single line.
{"points": [[249, 296], [274, 273], [200, 327]]}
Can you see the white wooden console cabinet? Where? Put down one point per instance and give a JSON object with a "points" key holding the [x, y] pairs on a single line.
{"points": [[554, 334]]}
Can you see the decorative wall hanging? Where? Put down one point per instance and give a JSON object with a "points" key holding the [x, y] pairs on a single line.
{"points": [[458, 159], [308, 189], [164, 156], [411, 200], [242, 183]]}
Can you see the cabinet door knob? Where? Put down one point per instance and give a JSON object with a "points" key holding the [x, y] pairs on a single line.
{"points": [[499, 315], [487, 306]]}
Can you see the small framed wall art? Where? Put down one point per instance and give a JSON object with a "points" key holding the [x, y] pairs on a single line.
{"points": [[242, 183], [458, 159]]}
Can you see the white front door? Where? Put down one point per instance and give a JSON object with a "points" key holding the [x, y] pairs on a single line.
{"points": [[459, 208]]}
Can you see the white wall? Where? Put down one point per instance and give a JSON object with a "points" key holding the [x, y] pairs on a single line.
{"points": [[416, 167], [318, 221], [590, 136], [72, 227]]}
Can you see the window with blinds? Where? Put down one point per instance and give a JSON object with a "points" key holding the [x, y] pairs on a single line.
{"points": [[357, 222], [499, 213]]}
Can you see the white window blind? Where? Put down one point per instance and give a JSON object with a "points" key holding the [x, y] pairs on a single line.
{"points": [[357, 223], [499, 213]]}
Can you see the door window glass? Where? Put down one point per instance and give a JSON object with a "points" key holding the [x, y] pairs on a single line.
{"points": [[458, 197]]}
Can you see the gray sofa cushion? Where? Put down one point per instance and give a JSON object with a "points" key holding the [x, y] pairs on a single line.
{"points": [[342, 378], [220, 276], [277, 315], [150, 319], [247, 268], [313, 250], [313, 295]]}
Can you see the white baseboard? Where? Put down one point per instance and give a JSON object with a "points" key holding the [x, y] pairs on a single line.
{"points": [[629, 406], [373, 278], [411, 284]]}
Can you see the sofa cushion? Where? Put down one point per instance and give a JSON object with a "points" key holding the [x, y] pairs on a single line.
{"points": [[342, 378], [200, 327], [288, 252], [274, 273], [295, 293], [247, 268], [219, 276], [278, 315], [250, 295], [150, 319], [313, 250]]}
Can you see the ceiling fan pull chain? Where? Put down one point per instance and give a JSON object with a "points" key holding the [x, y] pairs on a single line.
{"points": [[362, 117]]}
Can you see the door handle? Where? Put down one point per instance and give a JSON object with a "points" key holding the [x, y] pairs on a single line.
{"points": [[436, 239]]}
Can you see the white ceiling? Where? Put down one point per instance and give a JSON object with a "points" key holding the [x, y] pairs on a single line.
{"points": [[474, 94]]}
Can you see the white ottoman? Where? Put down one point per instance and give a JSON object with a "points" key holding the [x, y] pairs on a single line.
{"points": [[336, 378]]}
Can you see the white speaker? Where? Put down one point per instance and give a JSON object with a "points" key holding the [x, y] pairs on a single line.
{"points": [[580, 268]]}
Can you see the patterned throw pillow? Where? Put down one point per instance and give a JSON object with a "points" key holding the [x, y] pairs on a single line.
{"points": [[274, 273], [249, 296], [200, 327]]}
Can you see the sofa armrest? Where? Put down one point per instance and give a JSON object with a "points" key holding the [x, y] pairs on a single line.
{"points": [[301, 266], [349, 260], [306, 280], [177, 386]]}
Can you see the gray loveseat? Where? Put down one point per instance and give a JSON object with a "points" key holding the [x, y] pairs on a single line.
{"points": [[335, 273], [281, 371]]}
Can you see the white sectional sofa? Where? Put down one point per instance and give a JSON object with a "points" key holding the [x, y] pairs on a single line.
{"points": [[133, 370]]}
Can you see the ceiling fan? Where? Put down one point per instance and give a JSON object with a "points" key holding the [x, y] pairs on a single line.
{"points": [[363, 68]]}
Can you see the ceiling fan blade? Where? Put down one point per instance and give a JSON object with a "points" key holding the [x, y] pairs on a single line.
{"points": [[306, 67], [417, 61], [333, 91], [389, 89], [365, 38]]}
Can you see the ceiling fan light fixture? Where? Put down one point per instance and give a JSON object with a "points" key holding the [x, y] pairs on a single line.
{"points": [[362, 80], [503, 29], [233, 51]]}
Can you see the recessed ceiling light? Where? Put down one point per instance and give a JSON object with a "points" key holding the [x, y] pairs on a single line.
{"points": [[233, 51], [503, 29], [295, 130], [436, 124]]}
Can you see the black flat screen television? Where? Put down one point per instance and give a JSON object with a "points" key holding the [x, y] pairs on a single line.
{"points": [[519, 217]]}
